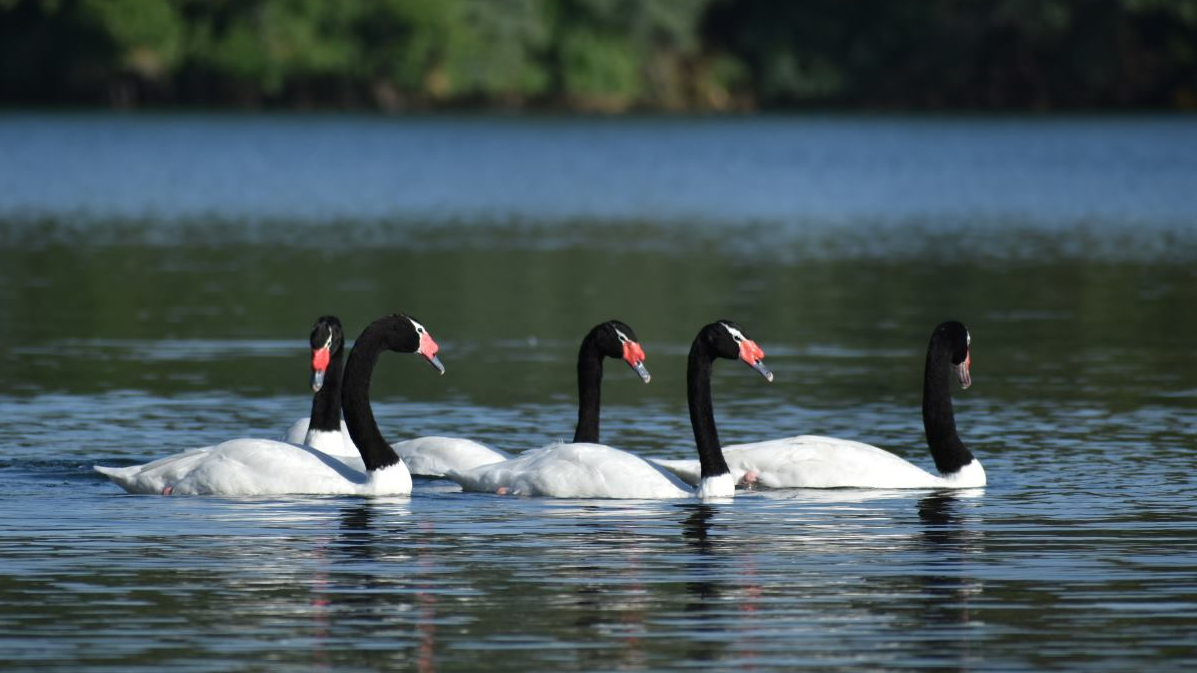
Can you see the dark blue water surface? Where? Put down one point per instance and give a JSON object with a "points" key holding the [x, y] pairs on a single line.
{"points": [[159, 275]]}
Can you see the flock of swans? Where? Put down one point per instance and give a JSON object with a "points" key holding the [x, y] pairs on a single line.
{"points": [[324, 454]]}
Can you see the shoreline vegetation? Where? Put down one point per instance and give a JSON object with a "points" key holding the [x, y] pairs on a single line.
{"points": [[600, 56]]}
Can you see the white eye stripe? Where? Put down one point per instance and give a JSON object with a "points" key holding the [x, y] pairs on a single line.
{"points": [[328, 344], [418, 326], [735, 333], [968, 338], [622, 337]]}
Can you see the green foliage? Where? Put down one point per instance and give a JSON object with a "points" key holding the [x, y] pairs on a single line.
{"points": [[601, 54], [148, 34], [497, 50], [408, 39], [265, 44], [596, 66]]}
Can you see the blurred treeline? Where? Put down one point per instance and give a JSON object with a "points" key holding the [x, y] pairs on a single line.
{"points": [[606, 55]]}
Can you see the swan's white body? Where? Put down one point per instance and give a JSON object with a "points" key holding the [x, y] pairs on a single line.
{"points": [[269, 467], [581, 470], [437, 456], [243, 466], [330, 442], [591, 470], [811, 461], [430, 456], [257, 467]]}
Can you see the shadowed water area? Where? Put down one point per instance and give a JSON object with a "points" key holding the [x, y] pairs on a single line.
{"points": [[159, 276]]}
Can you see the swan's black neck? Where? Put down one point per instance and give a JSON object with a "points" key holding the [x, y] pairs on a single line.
{"points": [[590, 381], [355, 400], [702, 414], [939, 421], [326, 404]]}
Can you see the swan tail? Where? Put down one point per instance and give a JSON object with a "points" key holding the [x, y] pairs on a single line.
{"points": [[125, 477], [110, 472]]}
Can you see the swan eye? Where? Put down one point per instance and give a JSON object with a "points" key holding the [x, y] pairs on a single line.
{"points": [[419, 328], [736, 334], [623, 338]]}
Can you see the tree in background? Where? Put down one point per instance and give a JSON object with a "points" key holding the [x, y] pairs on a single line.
{"points": [[601, 55]]}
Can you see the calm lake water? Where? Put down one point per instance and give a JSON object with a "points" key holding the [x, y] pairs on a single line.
{"points": [[159, 275]]}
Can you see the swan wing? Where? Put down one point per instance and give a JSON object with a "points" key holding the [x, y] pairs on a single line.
{"points": [[688, 471], [436, 456], [244, 467], [574, 470], [811, 461]]}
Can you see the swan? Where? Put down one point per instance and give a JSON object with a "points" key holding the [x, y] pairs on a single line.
{"points": [[809, 461], [436, 456], [591, 470], [324, 430], [433, 456], [269, 467]]}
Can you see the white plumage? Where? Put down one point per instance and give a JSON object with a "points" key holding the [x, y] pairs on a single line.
{"points": [[430, 456], [321, 465], [256, 467], [434, 456], [811, 461], [332, 442], [574, 470]]}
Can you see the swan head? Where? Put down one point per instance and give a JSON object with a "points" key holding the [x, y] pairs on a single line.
{"points": [[728, 340], [955, 339], [410, 336], [327, 340], [617, 339]]}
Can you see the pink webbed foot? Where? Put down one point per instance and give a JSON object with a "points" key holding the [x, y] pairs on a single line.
{"points": [[750, 478], [502, 490]]}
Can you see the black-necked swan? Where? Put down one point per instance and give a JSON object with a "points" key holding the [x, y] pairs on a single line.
{"points": [[323, 429], [268, 467], [437, 456], [590, 470], [809, 461]]}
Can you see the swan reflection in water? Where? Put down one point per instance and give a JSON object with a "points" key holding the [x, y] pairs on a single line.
{"points": [[701, 572], [712, 574], [355, 588], [952, 540]]}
